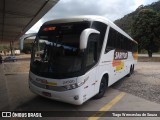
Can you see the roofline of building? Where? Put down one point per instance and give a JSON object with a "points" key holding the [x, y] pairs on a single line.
{"points": [[42, 11]]}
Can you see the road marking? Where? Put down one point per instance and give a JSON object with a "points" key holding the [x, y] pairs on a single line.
{"points": [[106, 107]]}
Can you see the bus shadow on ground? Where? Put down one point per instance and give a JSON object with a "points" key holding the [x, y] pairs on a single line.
{"points": [[39, 103]]}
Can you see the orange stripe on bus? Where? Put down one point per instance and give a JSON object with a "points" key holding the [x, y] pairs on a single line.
{"points": [[135, 55], [116, 63]]}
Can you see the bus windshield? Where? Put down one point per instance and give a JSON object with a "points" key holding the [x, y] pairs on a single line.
{"points": [[56, 49]]}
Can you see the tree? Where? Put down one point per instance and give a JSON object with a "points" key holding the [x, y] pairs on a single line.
{"points": [[4, 47], [145, 29]]}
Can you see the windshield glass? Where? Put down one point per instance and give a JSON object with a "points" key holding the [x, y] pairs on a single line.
{"points": [[56, 49]]}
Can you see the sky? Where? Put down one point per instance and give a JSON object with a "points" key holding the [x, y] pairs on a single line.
{"points": [[111, 9]]}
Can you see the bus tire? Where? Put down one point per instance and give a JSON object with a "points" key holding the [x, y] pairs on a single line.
{"points": [[133, 69], [130, 72], [102, 89]]}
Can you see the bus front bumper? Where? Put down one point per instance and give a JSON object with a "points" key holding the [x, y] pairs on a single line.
{"points": [[70, 96]]}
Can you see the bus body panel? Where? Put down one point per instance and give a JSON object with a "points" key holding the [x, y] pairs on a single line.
{"points": [[52, 82], [66, 96], [88, 89], [85, 92], [108, 63], [106, 67]]}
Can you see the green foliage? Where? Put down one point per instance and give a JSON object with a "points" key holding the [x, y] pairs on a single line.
{"points": [[145, 29], [4, 47], [143, 25], [1, 47]]}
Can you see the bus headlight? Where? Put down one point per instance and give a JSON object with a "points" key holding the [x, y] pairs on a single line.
{"points": [[68, 87], [82, 82], [73, 86]]}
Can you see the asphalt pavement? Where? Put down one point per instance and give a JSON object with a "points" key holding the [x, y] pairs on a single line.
{"points": [[140, 92]]}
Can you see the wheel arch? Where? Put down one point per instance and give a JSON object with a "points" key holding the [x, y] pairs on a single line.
{"points": [[106, 76], [133, 66], [98, 93]]}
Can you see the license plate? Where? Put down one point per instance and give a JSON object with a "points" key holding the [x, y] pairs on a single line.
{"points": [[46, 94]]}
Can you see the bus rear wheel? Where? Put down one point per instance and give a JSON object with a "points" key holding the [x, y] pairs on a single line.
{"points": [[133, 69], [130, 72], [102, 88]]}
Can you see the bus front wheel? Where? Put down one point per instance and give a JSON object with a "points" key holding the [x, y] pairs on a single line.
{"points": [[102, 88]]}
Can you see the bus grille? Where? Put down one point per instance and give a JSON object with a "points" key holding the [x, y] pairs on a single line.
{"points": [[48, 87]]}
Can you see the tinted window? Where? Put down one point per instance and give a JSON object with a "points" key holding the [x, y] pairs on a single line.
{"points": [[101, 27], [112, 40], [92, 54], [118, 41], [91, 58], [57, 47]]}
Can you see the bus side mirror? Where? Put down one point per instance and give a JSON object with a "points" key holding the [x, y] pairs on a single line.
{"points": [[84, 37]]}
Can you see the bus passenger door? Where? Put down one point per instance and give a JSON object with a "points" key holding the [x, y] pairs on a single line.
{"points": [[91, 61]]}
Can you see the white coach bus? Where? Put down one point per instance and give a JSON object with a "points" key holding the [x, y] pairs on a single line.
{"points": [[79, 58]]}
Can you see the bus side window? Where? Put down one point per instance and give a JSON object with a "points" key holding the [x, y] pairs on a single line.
{"points": [[111, 41]]}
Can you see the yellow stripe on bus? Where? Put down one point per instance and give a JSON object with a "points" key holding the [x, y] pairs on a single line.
{"points": [[52, 83]]}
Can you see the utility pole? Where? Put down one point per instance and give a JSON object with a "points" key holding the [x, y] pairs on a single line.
{"points": [[11, 47]]}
